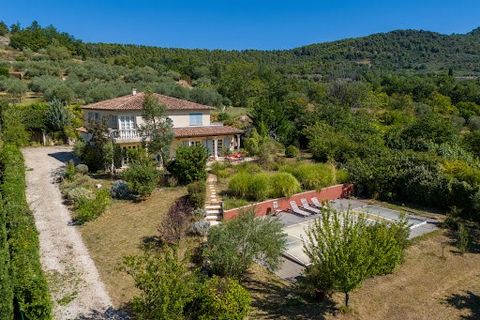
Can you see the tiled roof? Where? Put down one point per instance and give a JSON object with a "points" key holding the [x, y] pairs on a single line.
{"points": [[135, 102], [189, 132]]}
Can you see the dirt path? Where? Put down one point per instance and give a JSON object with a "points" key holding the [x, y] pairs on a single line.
{"points": [[76, 287]]}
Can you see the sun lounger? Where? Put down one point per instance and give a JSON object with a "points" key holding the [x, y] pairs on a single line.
{"points": [[297, 210], [308, 207], [316, 203]]}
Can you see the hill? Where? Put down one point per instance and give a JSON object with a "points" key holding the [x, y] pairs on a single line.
{"points": [[410, 51]]}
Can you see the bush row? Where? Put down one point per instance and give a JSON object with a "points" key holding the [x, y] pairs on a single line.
{"points": [[254, 184], [28, 281]]}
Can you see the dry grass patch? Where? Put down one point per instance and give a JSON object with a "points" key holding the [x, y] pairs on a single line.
{"points": [[123, 230], [426, 286]]}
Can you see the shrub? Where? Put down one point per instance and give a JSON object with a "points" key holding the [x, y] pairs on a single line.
{"points": [[221, 170], [292, 151], [81, 168], [313, 175], [199, 214], [255, 187], [200, 228], [239, 184], [13, 128], [120, 190], [259, 187], [235, 244], [89, 209], [78, 194], [165, 284], [142, 177], [284, 184], [69, 170], [197, 193], [175, 223], [341, 176], [189, 164], [223, 299]]}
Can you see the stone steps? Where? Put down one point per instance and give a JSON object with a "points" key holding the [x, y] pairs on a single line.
{"points": [[213, 206]]}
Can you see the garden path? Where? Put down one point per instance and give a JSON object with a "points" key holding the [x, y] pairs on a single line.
{"points": [[75, 285], [213, 204]]}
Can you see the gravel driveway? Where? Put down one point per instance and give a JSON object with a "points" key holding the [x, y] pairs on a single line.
{"points": [[75, 285]]}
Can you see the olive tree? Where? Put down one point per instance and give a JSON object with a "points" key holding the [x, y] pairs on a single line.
{"points": [[345, 249], [165, 284], [233, 246]]}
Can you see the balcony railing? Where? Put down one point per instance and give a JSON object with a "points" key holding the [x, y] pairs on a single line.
{"points": [[126, 134]]}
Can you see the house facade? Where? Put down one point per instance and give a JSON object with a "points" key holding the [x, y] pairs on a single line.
{"points": [[191, 123]]}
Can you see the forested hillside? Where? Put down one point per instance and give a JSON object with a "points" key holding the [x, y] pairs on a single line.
{"points": [[400, 110]]}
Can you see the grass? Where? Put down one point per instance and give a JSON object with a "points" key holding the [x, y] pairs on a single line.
{"points": [[426, 286], [123, 230]]}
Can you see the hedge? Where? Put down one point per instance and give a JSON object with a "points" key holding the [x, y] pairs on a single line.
{"points": [[29, 284], [6, 289]]}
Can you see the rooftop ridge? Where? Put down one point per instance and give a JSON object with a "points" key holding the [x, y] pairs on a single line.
{"points": [[135, 102]]}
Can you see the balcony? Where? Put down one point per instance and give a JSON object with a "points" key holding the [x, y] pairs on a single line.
{"points": [[126, 135]]}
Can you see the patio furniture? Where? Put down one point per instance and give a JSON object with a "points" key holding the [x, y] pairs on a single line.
{"points": [[308, 207], [297, 210], [316, 203]]}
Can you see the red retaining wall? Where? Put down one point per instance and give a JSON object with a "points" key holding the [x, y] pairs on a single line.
{"points": [[269, 206]]}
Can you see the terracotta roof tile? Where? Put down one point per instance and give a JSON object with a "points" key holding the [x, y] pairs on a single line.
{"points": [[189, 132], [135, 102]]}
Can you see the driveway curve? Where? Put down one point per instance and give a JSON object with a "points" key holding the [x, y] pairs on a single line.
{"points": [[76, 288]]}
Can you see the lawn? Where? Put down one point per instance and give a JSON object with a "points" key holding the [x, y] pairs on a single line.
{"points": [[122, 231]]}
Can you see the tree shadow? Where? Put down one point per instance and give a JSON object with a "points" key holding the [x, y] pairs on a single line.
{"points": [[466, 301], [63, 156], [110, 314], [282, 302]]}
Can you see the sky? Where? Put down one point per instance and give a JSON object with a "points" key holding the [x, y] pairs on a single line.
{"points": [[240, 24]]}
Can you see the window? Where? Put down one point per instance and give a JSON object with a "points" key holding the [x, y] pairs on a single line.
{"points": [[93, 116], [113, 121], [127, 122], [196, 143], [220, 146], [195, 119]]}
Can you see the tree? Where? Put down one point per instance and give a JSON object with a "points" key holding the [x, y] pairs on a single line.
{"points": [[95, 153], [234, 245], [57, 116], [222, 299], [142, 176], [344, 250], [156, 131], [189, 164], [60, 92], [16, 88], [3, 28], [166, 285]]}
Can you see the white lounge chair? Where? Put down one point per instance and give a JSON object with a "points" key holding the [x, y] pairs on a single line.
{"points": [[317, 203], [297, 210], [308, 207]]}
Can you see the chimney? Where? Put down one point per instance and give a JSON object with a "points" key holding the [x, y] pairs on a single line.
{"points": [[134, 91]]}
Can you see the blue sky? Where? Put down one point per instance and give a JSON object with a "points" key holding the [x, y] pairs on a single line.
{"points": [[240, 24]]}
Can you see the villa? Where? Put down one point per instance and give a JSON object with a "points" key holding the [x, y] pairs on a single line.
{"points": [[191, 123]]}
